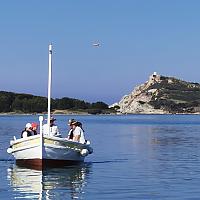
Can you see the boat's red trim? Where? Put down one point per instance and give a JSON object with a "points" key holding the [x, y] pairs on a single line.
{"points": [[45, 163]]}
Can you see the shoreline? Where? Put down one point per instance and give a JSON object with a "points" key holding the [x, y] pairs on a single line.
{"points": [[88, 114], [62, 112]]}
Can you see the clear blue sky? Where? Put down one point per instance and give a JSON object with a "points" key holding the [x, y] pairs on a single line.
{"points": [[137, 38]]}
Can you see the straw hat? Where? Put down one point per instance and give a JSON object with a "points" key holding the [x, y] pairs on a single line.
{"points": [[71, 122], [74, 123]]}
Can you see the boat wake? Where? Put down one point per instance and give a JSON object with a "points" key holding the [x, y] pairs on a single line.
{"points": [[111, 161]]}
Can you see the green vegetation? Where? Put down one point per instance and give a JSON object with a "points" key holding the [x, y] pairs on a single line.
{"points": [[177, 96], [27, 103]]}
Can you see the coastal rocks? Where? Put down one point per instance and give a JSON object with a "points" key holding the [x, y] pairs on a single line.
{"points": [[161, 95]]}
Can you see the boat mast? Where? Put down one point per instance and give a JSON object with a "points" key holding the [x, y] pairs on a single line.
{"points": [[49, 87]]}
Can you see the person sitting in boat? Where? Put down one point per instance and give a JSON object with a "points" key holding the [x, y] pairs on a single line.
{"points": [[53, 128], [70, 133], [27, 131], [34, 128], [78, 132]]}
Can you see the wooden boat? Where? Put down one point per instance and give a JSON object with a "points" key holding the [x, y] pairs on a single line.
{"points": [[41, 151]]}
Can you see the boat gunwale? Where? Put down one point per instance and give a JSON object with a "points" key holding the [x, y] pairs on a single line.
{"points": [[21, 140], [24, 148], [62, 143], [33, 137]]}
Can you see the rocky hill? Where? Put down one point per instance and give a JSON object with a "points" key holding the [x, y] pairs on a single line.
{"points": [[160, 95]]}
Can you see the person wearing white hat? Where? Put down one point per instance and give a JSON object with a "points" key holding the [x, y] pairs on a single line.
{"points": [[27, 131]]}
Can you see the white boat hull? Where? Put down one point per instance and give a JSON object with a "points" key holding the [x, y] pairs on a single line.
{"points": [[46, 151]]}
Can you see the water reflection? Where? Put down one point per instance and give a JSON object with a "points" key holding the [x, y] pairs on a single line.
{"points": [[55, 183]]}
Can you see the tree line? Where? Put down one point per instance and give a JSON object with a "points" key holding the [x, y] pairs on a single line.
{"points": [[27, 103]]}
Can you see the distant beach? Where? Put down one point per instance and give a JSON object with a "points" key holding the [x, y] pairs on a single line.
{"points": [[57, 112]]}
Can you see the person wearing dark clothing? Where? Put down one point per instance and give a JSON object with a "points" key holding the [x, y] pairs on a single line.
{"points": [[70, 133], [27, 132]]}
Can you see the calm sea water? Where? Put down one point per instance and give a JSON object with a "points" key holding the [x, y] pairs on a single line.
{"points": [[144, 157]]}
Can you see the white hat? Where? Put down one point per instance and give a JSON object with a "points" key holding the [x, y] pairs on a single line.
{"points": [[28, 125]]}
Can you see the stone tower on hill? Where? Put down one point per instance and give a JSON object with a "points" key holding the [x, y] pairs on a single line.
{"points": [[162, 95]]}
